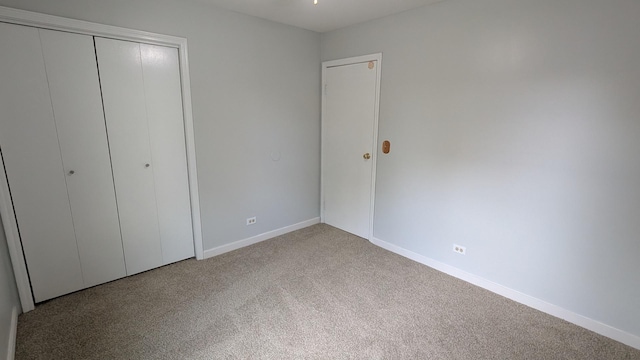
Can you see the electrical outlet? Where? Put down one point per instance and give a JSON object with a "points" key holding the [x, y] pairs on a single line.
{"points": [[251, 220], [459, 249]]}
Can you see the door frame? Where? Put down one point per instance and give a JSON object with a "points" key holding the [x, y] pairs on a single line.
{"points": [[44, 21], [374, 153]]}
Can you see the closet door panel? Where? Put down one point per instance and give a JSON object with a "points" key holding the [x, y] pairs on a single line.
{"points": [[77, 105], [31, 153], [120, 70], [161, 73]]}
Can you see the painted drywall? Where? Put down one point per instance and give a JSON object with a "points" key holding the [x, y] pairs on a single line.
{"points": [[514, 128], [255, 95], [9, 300]]}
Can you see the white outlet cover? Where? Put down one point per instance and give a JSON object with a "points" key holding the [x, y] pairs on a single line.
{"points": [[459, 249]]}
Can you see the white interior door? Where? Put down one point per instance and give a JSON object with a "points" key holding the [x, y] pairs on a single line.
{"points": [[33, 163], [143, 108], [72, 73], [348, 145], [161, 73], [120, 66]]}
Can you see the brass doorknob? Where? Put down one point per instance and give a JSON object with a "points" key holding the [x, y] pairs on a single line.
{"points": [[366, 156]]}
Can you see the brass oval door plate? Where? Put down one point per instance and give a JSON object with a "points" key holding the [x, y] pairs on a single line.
{"points": [[386, 146]]}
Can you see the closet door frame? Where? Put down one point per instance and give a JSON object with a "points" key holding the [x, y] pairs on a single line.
{"points": [[43, 21]]}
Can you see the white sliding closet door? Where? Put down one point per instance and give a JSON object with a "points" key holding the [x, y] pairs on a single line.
{"points": [[161, 73], [33, 164], [77, 105], [125, 110], [143, 109], [92, 140]]}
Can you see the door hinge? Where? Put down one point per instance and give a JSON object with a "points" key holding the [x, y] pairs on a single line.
{"points": [[325, 89]]}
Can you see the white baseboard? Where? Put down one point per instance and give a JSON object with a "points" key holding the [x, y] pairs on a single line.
{"points": [[258, 238], [551, 309], [13, 334]]}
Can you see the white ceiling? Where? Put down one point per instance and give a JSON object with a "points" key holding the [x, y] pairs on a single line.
{"points": [[326, 16]]}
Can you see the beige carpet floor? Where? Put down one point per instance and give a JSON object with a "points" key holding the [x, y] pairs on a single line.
{"points": [[316, 293]]}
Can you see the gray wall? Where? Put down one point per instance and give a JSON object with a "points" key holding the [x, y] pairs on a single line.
{"points": [[255, 90], [515, 131], [8, 294]]}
